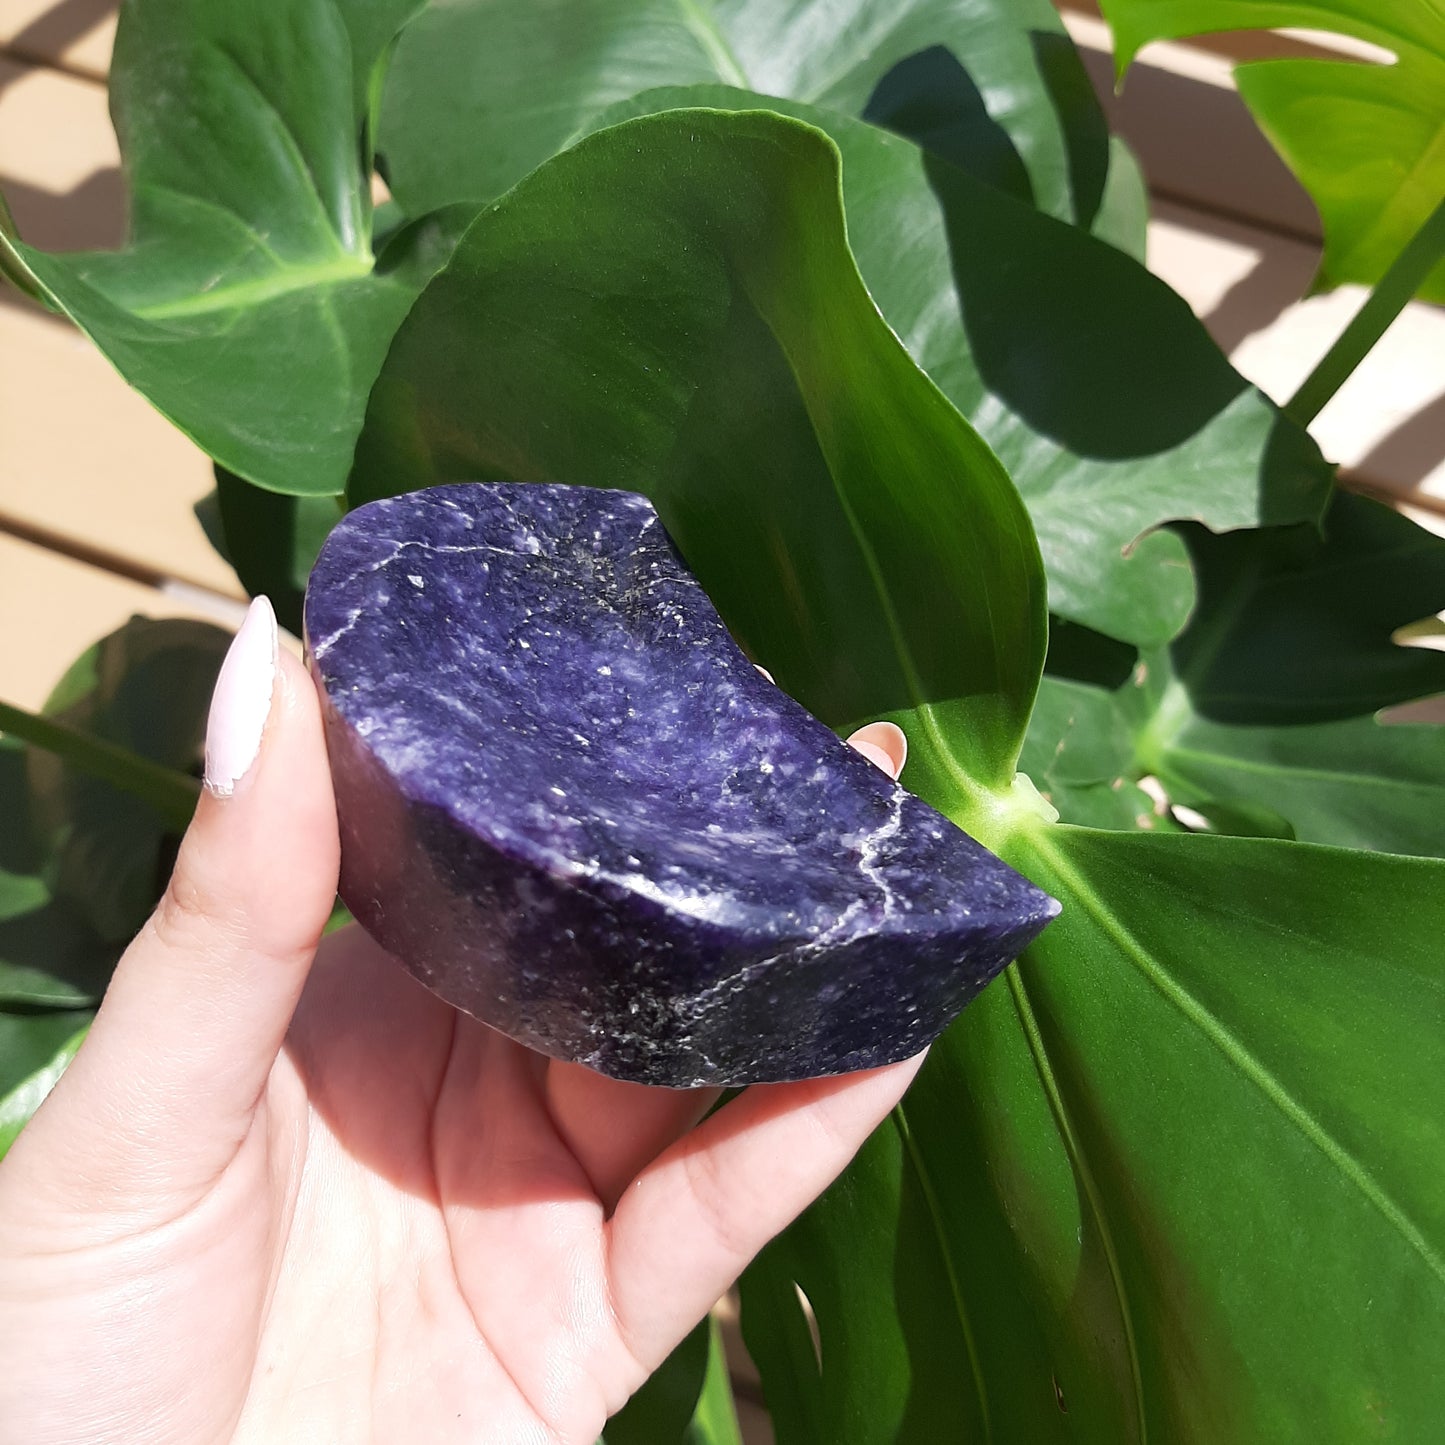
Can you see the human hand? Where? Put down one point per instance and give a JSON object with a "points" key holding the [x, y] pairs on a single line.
{"points": [[280, 1200]]}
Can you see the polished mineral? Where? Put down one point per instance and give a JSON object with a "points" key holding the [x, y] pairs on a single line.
{"points": [[574, 809]]}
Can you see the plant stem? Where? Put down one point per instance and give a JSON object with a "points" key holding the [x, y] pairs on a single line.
{"points": [[12, 268], [172, 794], [1406, 274]]}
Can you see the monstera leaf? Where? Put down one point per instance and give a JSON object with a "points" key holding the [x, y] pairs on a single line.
{"points": [[1263, 716], [1366, 139], [1030, 327], [697, 330], [248, 305], [1153, 1180], [483, 91]]}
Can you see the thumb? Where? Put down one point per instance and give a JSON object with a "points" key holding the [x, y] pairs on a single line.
{"points": [[180, 1052]]}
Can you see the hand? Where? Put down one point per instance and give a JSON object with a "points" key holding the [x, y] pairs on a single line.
{"points": [[274, 1200]]}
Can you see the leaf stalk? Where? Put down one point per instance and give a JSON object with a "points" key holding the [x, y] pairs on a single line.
{"points": [[172, 794], [1395, 288]]}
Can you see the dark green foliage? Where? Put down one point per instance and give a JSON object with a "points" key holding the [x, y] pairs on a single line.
{"points": [[853, 292]]}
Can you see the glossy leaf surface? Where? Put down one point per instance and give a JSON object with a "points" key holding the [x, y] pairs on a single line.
{"points": [[1180, 1195], [1296, 628], [247, 305], [1094, 383], [1366, 139], [483, 91], [696, 329], [1355, 782]]}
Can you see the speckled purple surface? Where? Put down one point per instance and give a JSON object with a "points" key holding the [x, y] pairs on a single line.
{"points": [[573, 808]]}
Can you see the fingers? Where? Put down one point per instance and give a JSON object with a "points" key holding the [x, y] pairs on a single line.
{"points": [[195, 1015], [883, 744], [614, 1128], [690, 1223]]}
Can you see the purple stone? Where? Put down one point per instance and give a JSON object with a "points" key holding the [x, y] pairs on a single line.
{"points": [[572, 807]]}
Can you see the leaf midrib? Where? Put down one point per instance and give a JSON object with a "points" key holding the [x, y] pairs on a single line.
{"points": [[245, 294], [705, 28], [1344, 777], [1252, 1069], [935, 1215], [1028, 1022]]}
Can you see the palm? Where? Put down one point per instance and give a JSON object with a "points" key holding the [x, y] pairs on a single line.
{"points": [[465, 1238], [459, 1190]]}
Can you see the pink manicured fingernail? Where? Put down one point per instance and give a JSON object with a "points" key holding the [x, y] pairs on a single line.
{"points": [[883, 744], [242, 701]]}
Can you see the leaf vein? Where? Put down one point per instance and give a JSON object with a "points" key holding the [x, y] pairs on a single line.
{"points": [[1252, 1068]]}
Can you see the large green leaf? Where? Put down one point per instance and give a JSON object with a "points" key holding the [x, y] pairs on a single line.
{"points": [[1182, 1164], [1105, 398], [1262, 716], [1367, 140], [1296, 627], [483, 91], [1357, 783], [1256, 1135], [695, 328], [29, 1045], [247, 305], [888, 1321]]}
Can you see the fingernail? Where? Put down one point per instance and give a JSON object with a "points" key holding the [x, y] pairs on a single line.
{"points": [[884, 744], [242, 701]]}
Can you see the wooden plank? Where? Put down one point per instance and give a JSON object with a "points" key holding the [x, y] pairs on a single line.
{"points": [[1194, 136], [87, 461], [53, 608], [1387, 423], [75, 35], [59, 160]]}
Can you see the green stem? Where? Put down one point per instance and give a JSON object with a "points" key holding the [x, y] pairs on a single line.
{"points": [[173, 795], [1406, 274], [11, 266]]}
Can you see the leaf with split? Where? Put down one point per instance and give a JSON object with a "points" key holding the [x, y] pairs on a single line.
{"points": [[853, 1317], [696, 330], [247, 305], [1097, 387], [1356, 782], [1163, 1182], [1080, 754], [1293, 627], [1366, 139], [483, 91], [1262, 717]]}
